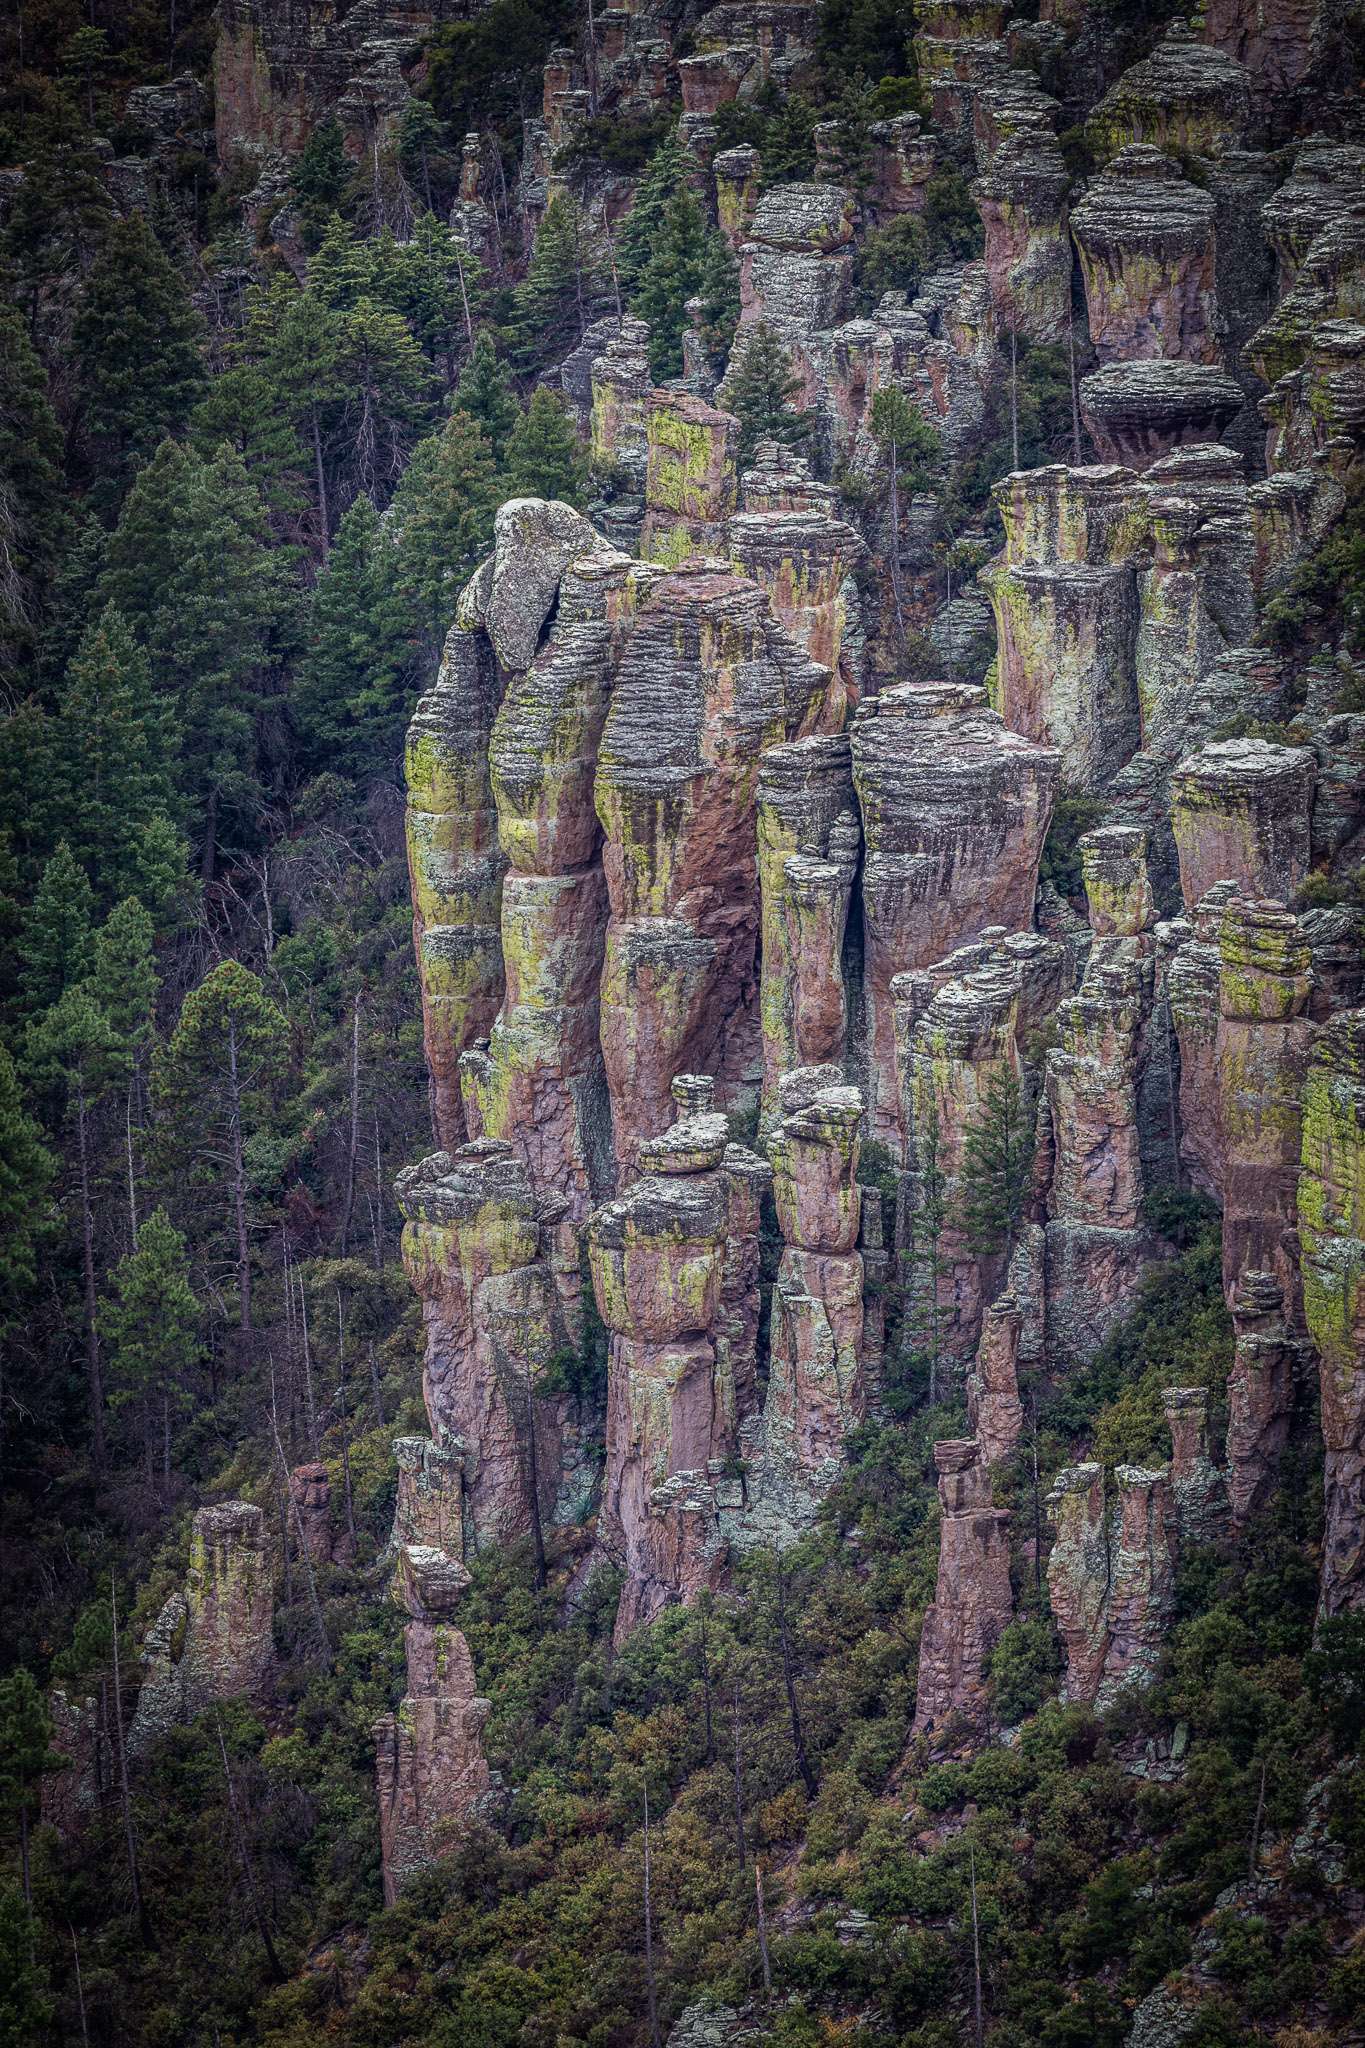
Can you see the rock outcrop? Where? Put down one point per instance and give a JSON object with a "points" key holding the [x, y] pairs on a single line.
{"points": [[1261, 1392], [1146, 243], [213, 1640], [994, 1412], [955, 811], [1111, 1576], [1332, 1232], [429, 1764], [973, 1602]]}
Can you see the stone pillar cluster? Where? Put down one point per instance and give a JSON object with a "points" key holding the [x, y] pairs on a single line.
{"points": [[1111, 1575], [973, 1602]]}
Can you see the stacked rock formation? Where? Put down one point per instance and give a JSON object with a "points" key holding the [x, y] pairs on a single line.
{"points": [[212, 1640], [675, 1272], [1111, 1576], [430, 1765], [973, 1603]]}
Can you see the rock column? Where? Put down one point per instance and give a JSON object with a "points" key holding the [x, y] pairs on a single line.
{"points": [[994, 1412], [430, 1766], [1332, 1230], [808, 841], [955, 810], [1260, 1392], [212, 1641], [973, 1601]]}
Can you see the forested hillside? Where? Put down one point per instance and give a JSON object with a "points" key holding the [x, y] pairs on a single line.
{"points": [[865, 943]]}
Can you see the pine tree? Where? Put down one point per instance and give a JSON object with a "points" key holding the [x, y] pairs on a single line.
{"points": [[153, 1327], [663, 177], [443, 522], [73, 1057], [245, 410], [908, 443], [672, 276], [759, 389], [24, 2010], [142, 367], [73, 601], [350, 699], [25, 1755], [321, 173], [190, 568], [563, 289], [211, 1085], [997, 1162], [302, 359], [486, 394], [114, 748], [33, 516], [57, 947], [26, 1168], [544, 459], [123, 976], [389, 396], [438, 288], [344, 268]]}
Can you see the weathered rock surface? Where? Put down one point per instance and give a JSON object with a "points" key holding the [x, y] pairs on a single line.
{"points": [[1242, 813], [973, 1601], [430, 1766], [1189, 97], [477, 1246], [955, 810], [1136, 412], [1260, 1392], [1332, 1231], [72, 1798], [1111, 1576], [279, 70], [708, 680], [212, 1641], [1146, 243], [310, 1490], [808, 844], [994, 1412], [1199, 1487]]}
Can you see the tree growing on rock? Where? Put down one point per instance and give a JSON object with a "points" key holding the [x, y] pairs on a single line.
{"points": [[761, 390], [544, 459], [997, 1162]]}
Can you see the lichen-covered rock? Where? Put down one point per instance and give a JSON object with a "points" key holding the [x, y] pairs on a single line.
{"points": [[1142, 1595], [1260, 1392], [1321, 190], [280, 70], [1146, 242], [1118, 889], [1242, 813], [1022, 202], [72, 1798], [973, 1601], [1136, 412], [310, 1489], [1200, 1490], [430, 1508], [1189, 97], [1318, 408], [534, 542], [736, 174], [213, 1640], [621, 384], [955, 811], [454, 862], [691, 479], [675, 1268], [429, 1764], [708, 680], [808, 842], [803, 560], [1078, 1571], [1330, 285], [1332, 1232], [1261, 1054], [474, 1249], [1066, 611], [995, 1415]]}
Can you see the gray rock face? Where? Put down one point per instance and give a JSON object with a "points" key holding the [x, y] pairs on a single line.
{"points": [[1136, 412], [1146, 243], [1187, 96], [535, 541]]}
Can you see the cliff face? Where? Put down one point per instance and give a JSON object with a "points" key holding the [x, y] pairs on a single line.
{"points": [[279, 70], [708, 896]]}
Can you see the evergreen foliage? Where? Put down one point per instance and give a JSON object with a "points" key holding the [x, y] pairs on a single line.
{"points": [[141, 358], [997, 1161], [350, 698], [564, 288], [57, 945], [544, 459], [761, 391], [33, 514], [486, 394]]}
